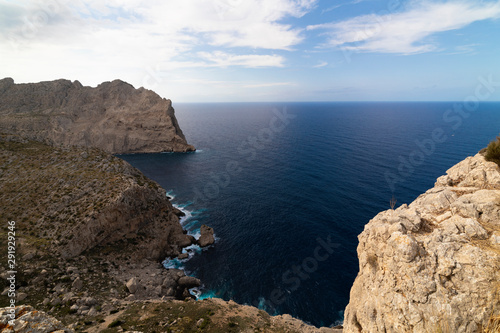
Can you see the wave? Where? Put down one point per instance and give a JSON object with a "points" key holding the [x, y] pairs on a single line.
{"points": [[191, 224], [170, 195], [206, 294]]}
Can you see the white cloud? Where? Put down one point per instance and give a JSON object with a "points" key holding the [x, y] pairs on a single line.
{"points": [[321, 64], [406, 32], [222, 59], [141, 41], [329, 9], [269, 84], [233, 23], [134, 31]]}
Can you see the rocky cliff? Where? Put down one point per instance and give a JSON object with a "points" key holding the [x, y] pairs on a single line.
{"points": [[86, 223], [114, 116], [90, 228], [433, 265], [80, 198], [90, 231]]}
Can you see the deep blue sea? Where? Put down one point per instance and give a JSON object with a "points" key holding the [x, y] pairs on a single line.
{"points": [[289, 186]]}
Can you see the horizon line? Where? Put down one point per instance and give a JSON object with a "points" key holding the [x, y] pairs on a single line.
{"points": [[346, 101]]}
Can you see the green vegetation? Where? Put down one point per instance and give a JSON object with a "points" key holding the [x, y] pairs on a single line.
{"points": [[191, 316], [492, 152], [115, 323]]}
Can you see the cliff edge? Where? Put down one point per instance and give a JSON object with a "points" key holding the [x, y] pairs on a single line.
{"points": [[433, 266], [86, 224], [114, 116]]}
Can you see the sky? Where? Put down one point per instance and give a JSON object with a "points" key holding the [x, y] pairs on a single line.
{"points": [[259, 50]]}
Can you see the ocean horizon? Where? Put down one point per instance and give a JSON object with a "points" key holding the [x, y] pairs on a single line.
{"points": [[287, 188]]}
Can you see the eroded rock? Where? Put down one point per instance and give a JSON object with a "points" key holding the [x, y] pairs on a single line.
{"points": [[26, 319], [114, 116], [206, 236], [435, 264]]}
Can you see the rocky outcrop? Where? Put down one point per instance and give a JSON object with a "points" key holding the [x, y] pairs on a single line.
{"points": [[85, 198], [206, 236], [114, 116], [156, 283], [433, 266], [88, 222], [24, 319], [208, 315]]}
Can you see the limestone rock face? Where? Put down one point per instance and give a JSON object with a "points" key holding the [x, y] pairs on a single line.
{"points": [[28, 319], [435, 264], [114, 116]]}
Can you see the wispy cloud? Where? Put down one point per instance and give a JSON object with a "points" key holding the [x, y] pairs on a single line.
{"points": [[222, 59], [268, 84], [152, 30], [144, 42], [329, 9], [464, 49], [234, 84], [406, 32], [321, 64]]}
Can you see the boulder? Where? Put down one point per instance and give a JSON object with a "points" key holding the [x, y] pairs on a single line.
{"points": [[206, 236], [77, 284], [133, 285], [189, 282]]}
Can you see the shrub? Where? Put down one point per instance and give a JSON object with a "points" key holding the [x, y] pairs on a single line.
{"points": [[492, 152], [115, 323]]}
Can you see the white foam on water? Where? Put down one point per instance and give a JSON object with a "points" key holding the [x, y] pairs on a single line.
{"points": [[189, 223]]}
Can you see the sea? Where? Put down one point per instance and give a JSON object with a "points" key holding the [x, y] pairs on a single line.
{"points": [[288, 187]]}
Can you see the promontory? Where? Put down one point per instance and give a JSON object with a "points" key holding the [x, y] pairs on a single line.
{"points": [[114, 116]]}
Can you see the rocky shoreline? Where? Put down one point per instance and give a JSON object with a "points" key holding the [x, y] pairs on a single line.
{"points": [[91, 231], [85, 266], [90, 244], [97, 224]]}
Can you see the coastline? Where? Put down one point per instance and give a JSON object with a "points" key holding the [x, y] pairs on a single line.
{"points": [[112, 279]]}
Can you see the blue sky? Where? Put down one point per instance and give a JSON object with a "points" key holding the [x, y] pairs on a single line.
{"points": [[258, 50]]}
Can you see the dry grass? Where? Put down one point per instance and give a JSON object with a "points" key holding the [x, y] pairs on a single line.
{"points": [[494, 320], [493, 325]]}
